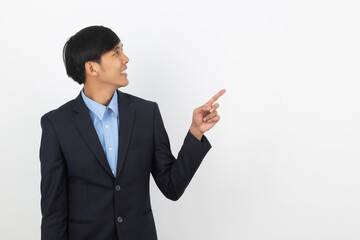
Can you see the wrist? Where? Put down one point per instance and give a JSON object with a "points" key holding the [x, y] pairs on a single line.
{"points": [[196, 133]]}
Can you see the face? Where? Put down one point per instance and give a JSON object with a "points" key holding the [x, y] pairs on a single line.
{"points": [[112, 68]]}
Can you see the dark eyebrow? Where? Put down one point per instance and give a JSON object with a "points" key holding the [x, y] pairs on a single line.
{"points": [[117, 47]]}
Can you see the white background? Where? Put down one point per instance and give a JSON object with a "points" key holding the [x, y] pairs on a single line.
{"points": [[285, 157]]}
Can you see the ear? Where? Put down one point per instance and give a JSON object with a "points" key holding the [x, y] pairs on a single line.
{"points": [[91, 68]]}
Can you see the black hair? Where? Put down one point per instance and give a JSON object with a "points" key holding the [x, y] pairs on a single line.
{"points": [[87, 45]]}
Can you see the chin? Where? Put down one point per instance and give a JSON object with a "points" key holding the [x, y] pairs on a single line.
{"points": [[124, 83]]}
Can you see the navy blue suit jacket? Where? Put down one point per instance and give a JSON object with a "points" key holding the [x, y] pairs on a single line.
{"points": [[80, 197]]}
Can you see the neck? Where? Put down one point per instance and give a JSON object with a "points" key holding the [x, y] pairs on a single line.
{"points": [[101, 95]]}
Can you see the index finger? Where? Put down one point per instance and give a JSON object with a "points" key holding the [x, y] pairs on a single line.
{"points": [[215, 97]]}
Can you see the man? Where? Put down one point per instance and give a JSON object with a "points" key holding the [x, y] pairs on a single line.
{"points": [[97, 151]]}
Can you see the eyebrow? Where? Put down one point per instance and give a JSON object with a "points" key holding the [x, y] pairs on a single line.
{"points": [[117, 47]]}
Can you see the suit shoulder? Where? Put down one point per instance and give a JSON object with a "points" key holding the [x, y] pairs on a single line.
{"points": [[138, 100], [56, 113]]}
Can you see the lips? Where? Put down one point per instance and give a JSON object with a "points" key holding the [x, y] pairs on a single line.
{"points": [[123, 71]]}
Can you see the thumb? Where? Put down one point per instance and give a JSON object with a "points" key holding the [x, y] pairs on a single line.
{"points": [[202, 108], [205, 108]]}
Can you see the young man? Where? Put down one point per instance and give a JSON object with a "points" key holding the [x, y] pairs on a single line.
{"points": [[97, 151]]}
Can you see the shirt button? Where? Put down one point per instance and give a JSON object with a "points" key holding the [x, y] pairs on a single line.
{"points": [[119, 219], [110, 148], [106, 126], [117, 187]]}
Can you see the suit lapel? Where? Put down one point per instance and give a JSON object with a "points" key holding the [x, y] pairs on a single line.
{"points": [[126, 119], [84, 124]]}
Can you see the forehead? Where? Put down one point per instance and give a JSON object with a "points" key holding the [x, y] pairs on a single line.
{"points": [[118, 46]]}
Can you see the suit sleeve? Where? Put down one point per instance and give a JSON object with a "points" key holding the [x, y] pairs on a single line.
{"points": [[171, 175], [53, 185]]}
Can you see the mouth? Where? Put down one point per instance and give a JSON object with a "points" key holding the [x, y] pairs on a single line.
{"points": [[124, 71]]}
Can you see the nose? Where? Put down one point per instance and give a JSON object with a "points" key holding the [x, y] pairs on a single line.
{"points": [[125, 59]]}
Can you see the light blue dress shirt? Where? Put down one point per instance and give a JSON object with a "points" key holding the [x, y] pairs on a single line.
{"points": [[106, 123]]}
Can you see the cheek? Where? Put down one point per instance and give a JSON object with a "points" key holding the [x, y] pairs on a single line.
{"points": [[118, 63], [114, 68], [117, 66]]}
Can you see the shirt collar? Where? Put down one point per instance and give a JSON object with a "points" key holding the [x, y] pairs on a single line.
{"points": [[99, 109]]}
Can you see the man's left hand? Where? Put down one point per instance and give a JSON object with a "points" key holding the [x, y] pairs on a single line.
{"points": [[206, 116]]}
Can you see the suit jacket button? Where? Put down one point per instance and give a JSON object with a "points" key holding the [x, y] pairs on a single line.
{"points": [[119, 219], [117, 187]]}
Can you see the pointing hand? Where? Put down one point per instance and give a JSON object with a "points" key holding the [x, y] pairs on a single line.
{"points": [[205, 117]]}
